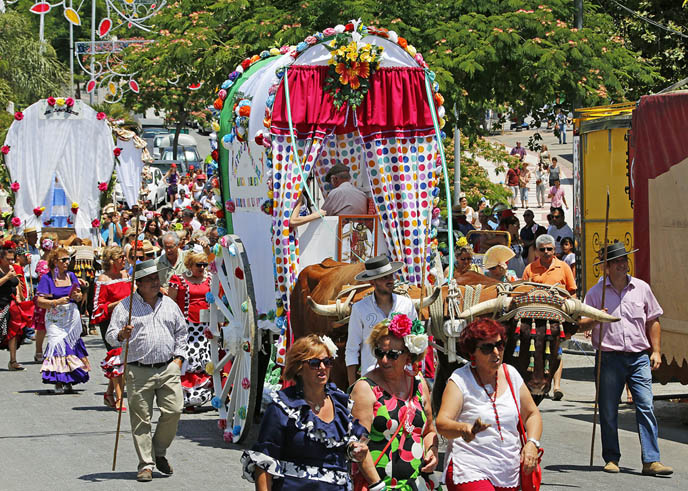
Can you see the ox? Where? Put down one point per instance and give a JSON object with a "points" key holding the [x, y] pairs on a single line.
{"points": [[320, 303]]}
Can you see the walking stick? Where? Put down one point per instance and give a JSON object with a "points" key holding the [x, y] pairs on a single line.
{"points": [[599, 349], [126, 345]]}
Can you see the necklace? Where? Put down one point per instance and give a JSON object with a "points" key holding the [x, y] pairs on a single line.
{"points": [[492, 397], [317, 407]]}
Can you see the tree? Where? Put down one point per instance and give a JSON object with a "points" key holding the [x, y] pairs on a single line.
{"points": [[177, 73]]}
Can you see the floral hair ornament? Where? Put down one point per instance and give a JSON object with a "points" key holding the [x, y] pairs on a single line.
{"points": [[329, 344], [47, 244], [412, 332], [8, 244]]}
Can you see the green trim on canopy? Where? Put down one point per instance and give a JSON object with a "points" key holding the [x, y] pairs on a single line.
{"points": [[226, 125]]}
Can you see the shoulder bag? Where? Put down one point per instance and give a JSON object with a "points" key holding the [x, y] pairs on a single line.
{"points": [[529, 482]]}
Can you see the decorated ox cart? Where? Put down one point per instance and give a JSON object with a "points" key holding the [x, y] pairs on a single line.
{"points": [[362, 97], [356, 95]]}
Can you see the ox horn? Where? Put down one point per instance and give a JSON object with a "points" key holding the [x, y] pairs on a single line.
{"points": [[487, 307], [576, 309], [420, 303], [339, 309]]}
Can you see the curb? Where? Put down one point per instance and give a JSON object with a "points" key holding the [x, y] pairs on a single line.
{"points": [[578, 346]]}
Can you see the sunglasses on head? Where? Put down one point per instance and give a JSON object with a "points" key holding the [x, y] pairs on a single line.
{"points": [[543, 249], [201, 265], [487, 348], [314, 363], [392, 354]]}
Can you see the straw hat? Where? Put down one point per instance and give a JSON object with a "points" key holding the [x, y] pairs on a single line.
{"points": [[147, 268], [497, 255]]}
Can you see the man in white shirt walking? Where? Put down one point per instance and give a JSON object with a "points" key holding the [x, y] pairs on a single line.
{"points": [[366, 313], [157, 348]]}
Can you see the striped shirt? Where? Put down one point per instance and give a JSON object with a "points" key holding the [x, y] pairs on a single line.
{"points": [[159, 333]]}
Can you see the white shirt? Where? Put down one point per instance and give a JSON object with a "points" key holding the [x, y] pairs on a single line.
{"points": [[195, 224], [159, 334], [365, 314], [486, 457], [181, 203], [558, 234], [197, 190], [346, 199]]}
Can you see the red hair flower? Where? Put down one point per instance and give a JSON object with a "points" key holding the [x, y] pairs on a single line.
{"points": [[16, 222], [15, 186], [400, 326], [117, 151], [8, 244], [19, 115], [100, 116]]}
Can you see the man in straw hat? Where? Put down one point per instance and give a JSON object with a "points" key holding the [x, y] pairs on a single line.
{"points": [[495, 263], [371, 310], [630, 350], [344, 198], [157, 348]]}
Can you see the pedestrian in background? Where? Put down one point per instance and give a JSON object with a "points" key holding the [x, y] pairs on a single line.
{"points": [[541, 180], [630, 351], [157, 348], [561, 121], [523, 181], [479, 416], [512, 181]]}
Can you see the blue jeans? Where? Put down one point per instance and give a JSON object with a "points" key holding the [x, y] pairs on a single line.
{"points": [[562, 133], [618, 369]]}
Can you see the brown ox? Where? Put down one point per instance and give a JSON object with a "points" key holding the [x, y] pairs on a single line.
{"points": [[537, 319], [320, 303]]}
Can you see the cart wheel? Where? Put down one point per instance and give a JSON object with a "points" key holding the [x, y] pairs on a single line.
{"points": [[233, 326]]}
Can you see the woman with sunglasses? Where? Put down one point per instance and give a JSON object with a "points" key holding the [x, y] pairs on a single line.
{"points": [[308, 434], [392, 402], [189, 290], [111, 288], [65, 358], [480, 419], [11, 292]]}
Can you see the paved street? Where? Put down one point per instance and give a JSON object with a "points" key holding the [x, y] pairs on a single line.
{"points": [[67, 440]]}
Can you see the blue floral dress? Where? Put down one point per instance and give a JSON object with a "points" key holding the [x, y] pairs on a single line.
{"points": [[299, 449]]}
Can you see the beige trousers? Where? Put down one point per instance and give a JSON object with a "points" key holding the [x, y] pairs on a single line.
{"points": [[143, 384]]}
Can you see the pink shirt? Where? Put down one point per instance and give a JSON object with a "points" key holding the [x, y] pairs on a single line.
{"points": [[635, 306], [557, 196]]}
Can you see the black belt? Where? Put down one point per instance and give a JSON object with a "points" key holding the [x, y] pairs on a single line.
{"points": [[151, 365]]}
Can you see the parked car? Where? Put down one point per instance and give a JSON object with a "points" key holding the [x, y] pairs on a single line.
{"points": [[150, 132], [156, 187], [167, 139], [188, 154]]}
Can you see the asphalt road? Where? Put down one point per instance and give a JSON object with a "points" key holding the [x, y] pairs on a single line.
{"points": [[67, 441]]}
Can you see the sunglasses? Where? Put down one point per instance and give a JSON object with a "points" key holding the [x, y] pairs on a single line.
{"points": [[556, 217], [392, 354], [201, 265], [544, 249], [314, 363], [487, 348], [64, 259]]}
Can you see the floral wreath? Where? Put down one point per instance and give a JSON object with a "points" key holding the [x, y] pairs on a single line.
{"points": [[350, 69], [412, 332]]}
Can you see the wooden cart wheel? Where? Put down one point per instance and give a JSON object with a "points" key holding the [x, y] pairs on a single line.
{"points": [[233, 326]]}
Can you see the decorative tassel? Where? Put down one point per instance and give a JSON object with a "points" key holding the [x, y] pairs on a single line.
{"points": [[532, 345], [517, 349], [531, 364], [518, 328], [547, 366], [562, 334], [532, 328], [548, 332], [559, 353], [547, 351]]}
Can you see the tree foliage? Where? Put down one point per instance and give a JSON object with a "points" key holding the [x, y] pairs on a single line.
{"points": [[514, 55]]}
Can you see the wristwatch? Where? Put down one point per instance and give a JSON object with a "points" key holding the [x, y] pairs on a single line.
{"points": [[536, 442]]}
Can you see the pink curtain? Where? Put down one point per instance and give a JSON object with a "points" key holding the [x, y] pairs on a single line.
{"points": [[396, 105]]}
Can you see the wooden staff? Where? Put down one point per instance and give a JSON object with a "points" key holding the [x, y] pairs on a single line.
{"points": [[126, 346], [423, 274], [599, 348]]}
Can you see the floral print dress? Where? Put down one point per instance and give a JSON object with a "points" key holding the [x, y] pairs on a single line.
{"points": [[403, 459]]}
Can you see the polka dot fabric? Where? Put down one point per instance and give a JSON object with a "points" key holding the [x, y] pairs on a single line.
{"points": [[402, 174], [345, 149]]}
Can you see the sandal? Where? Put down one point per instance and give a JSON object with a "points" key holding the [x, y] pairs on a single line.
{"points": [[123, 408], [38, 358], [13, 366], [109, 400]]}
